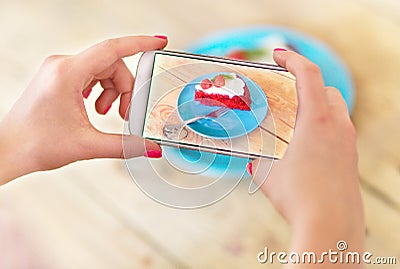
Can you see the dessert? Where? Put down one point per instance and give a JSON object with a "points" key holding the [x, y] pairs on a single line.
{"points": [[224, 89]]}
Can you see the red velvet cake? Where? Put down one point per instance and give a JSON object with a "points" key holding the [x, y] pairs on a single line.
{"points": [[224, 89]]}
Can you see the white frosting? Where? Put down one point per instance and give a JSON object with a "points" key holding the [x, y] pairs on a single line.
{"points": [[233, 87]]}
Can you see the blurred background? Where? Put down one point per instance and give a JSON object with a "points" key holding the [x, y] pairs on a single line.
{"points": [[91, 214]]}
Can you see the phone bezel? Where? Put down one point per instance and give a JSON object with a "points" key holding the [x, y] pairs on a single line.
{"points": [[139, 102]]}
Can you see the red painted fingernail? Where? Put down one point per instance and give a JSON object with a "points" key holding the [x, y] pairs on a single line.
{"points": [[250, 168], [161, 36], [107, 109], [280, 49], [87, 93], [153, 154]]}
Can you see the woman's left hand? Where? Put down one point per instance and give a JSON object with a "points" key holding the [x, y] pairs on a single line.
{"points": [[48, 126]]}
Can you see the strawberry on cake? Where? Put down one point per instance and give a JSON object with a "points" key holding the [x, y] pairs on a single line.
{"points": [[225, 89]]}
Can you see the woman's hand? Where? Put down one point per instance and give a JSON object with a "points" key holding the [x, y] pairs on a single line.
{"points": [[316, 185], [48, 127]]}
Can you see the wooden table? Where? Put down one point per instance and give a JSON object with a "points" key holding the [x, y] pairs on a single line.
{"points": [[91, 215]]}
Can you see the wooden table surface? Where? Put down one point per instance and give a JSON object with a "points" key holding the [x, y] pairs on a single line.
{"points": [[91, 214]]}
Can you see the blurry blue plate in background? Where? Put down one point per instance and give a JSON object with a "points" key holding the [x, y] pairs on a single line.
{"points": [[333, 69]]}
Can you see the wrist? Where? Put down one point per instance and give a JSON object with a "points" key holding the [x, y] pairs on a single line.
{"points": [[15, 154], [324, 231]]}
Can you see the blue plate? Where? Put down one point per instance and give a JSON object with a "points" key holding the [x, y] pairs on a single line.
{"points": [[233, 124], [334, 71]]}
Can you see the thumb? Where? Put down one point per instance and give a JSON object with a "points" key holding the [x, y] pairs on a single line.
{"points": [[122, 146]]}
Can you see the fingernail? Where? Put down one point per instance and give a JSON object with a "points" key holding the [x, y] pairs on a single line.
{"points": [[161, 36], [249, 168], [280, 49], [87, 93], [107, 109], [153, 154]]}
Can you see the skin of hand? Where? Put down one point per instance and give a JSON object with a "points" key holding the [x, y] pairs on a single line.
{"points": [[315, 186], [48, 126]]}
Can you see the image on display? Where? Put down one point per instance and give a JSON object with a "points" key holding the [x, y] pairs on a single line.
{"points": [[247, 110]]}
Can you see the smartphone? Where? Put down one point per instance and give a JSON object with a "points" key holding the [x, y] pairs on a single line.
{"points": [[213, 104]]}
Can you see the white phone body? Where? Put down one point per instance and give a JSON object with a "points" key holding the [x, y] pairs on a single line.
{"points": [[139, 107]]}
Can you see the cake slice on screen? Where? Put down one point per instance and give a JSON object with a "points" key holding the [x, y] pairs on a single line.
{"points": [[225, 89]]}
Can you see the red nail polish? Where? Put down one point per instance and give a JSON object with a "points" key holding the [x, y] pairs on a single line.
{"points": [[153, 154], [250, 168], [161, 36], [280, 49], [87, 93], [107, 109]]}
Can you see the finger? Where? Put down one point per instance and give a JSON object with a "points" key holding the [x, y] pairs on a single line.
{"points": [[336, 103], [102, 55], [335, 99], [123, 81], [116, 80], [135, 146], [107, 97], [116, 146], [259, 169], [86, 92], [124, 104], [309, 81]]}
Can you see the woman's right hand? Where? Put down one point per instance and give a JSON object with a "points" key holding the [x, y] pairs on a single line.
{"points": [[315, 186]]}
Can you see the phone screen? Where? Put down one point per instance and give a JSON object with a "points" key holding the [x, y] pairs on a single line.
{"points": [[262, 104]]}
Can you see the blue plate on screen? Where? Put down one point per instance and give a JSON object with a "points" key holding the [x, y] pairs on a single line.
{"points": [[234, 123]]}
